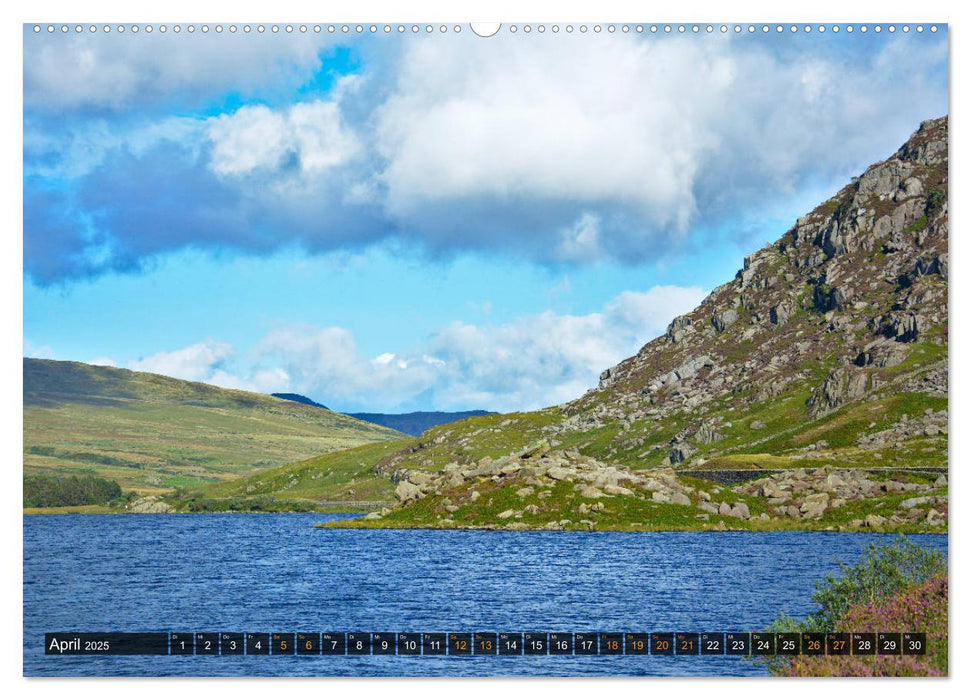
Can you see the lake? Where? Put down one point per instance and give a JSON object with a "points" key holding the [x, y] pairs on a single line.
{"points": [[276, 573]]}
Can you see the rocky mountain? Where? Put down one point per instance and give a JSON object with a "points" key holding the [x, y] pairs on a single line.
{"points": [[850, 303], [827, 353]]}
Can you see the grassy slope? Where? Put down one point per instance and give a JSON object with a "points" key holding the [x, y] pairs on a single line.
{"points": [[153, 433], [780, 444], [327, 482]]}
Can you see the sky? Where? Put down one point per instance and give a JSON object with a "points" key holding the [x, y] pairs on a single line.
{"points": [[431, 221]]}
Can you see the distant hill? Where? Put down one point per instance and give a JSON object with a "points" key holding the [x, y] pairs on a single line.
{"points": [[151, 433], [300, 398], [414, 423], [418, 422]]}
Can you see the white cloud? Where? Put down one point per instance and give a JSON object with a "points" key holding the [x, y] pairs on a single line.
{"points": [[652, 309], [207, 361], [602, 120], [309, 137], [325, 362], [116, 70], [531, 362], [249, 139], [80, 148], [103, 362], [41, 352], [265, 381], [194, 363]]}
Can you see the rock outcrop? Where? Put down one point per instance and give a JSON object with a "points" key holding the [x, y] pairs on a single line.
{"points": [[854, 286]]}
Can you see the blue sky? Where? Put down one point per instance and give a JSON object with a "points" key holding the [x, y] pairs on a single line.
{"points": [[430, 222]]}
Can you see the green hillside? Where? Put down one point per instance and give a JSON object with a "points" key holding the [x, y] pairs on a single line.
{"points": [[152, 434], [823, 363], [337, 481]]}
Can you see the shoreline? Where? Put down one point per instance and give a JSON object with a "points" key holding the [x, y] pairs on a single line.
{"points": [[360, 523]]}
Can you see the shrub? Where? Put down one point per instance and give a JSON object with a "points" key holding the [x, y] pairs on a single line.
{"points": [[897, 587], [882, 572], [49, 491]]}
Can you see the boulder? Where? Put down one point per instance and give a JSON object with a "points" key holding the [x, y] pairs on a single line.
{"points": [[723, 320], [591, 492], [874, 521], [561, 473], [680, 499], [419, 478], [904, 327], [677, 329], [406, 491], [740, 510], [914, 502], [679, 453], [149, 504], [535, 450]]}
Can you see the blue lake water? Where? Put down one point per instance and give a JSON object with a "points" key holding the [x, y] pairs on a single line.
{"points": [[276, 573]]}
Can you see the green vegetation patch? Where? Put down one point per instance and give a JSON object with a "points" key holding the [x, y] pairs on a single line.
{"points": [[47, 492]]}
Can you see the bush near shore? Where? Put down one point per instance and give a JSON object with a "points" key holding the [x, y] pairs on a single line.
{"points": [[898, 587]]}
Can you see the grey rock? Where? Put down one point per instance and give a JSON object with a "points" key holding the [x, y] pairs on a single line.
{"points": [[874, 521], [591, 492], [561, 474], [680, 499], [406, 491], [779, 314], [724, 320], [149, 504], [740, 510]]}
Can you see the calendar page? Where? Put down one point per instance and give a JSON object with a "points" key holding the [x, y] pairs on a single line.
{"points": [[520, 349]]}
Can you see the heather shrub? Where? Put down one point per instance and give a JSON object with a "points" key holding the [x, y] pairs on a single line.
{"points": [[896, 587], [919, 608]]}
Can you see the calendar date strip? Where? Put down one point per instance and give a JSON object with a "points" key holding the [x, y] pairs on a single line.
{"points": [[476, 644]]}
